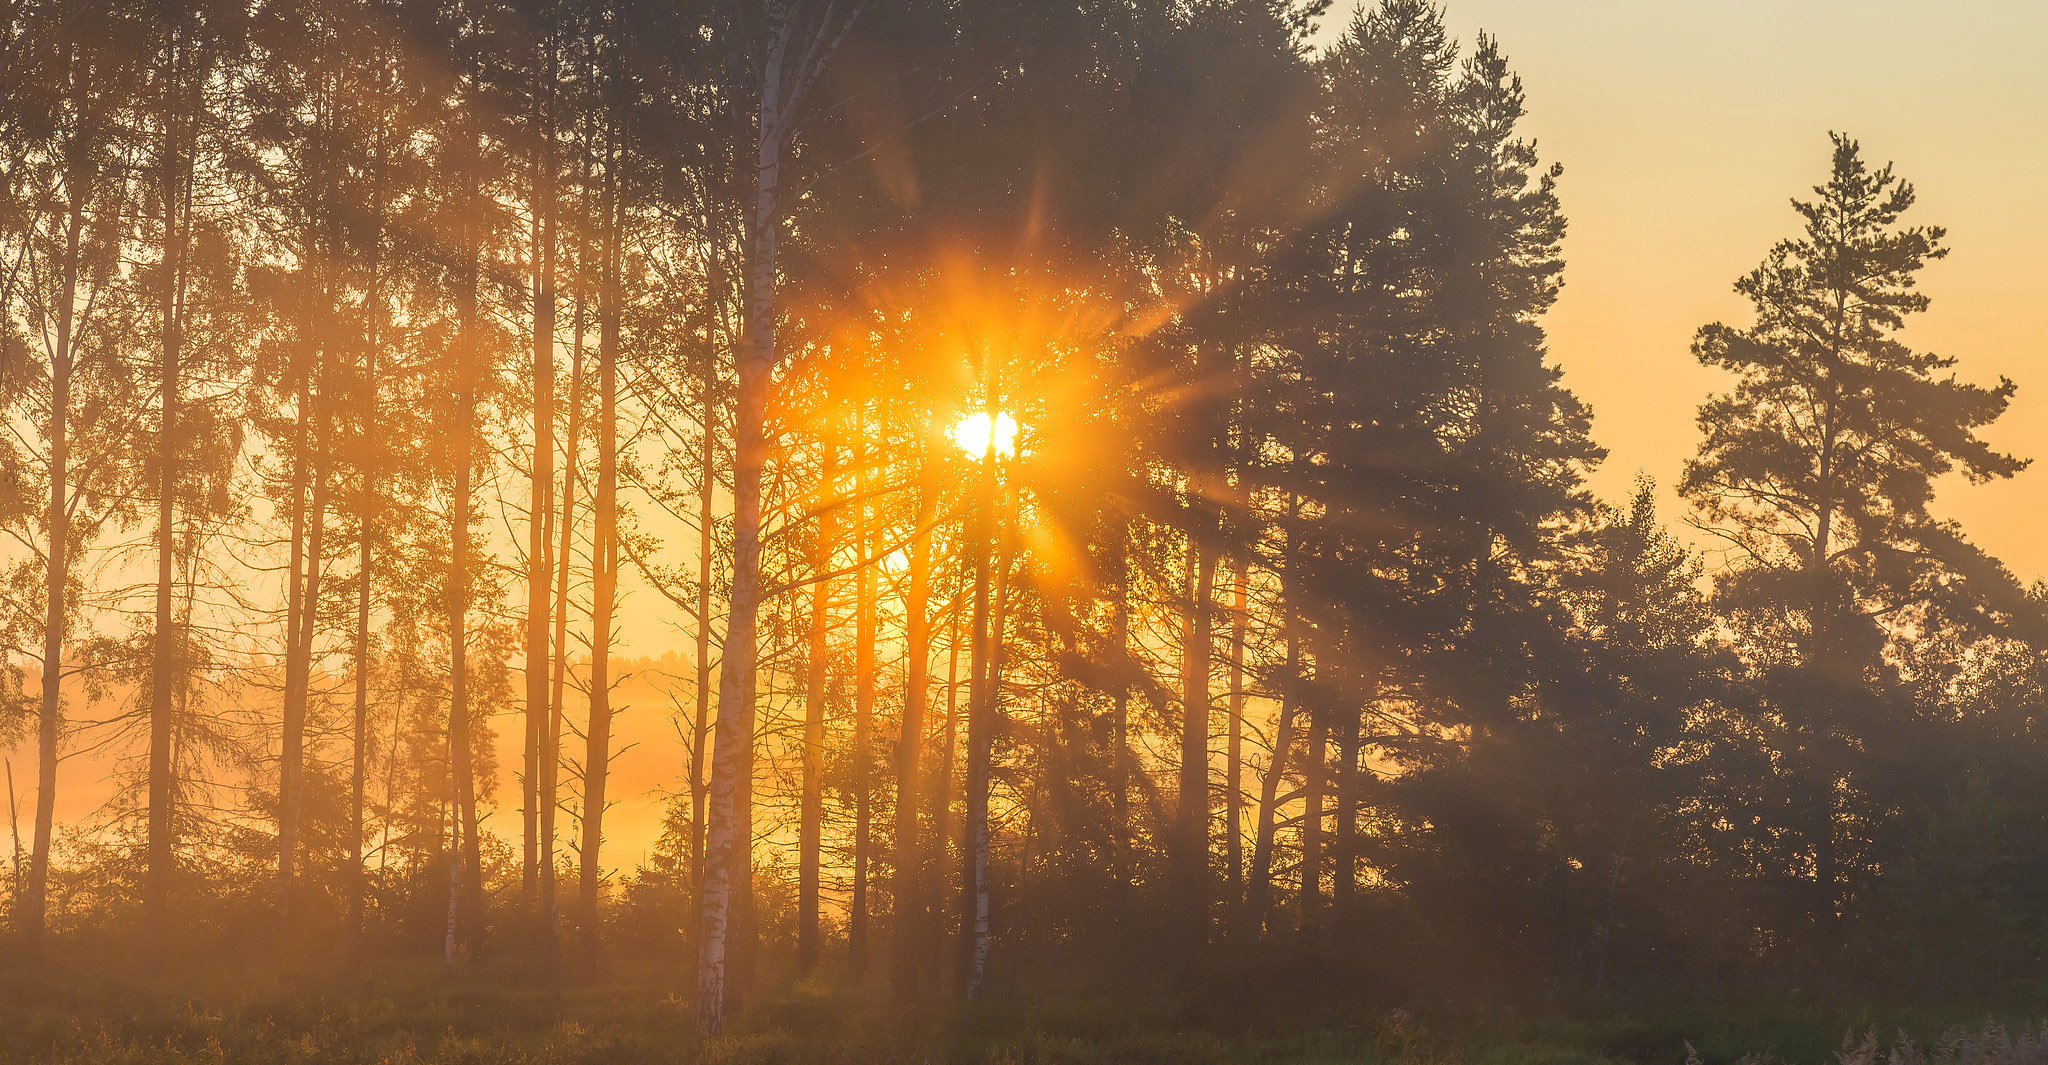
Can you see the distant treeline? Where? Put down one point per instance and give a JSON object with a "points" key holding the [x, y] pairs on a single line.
{"points": [[1101, 462]]}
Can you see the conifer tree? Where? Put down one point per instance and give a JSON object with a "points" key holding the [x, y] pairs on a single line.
{"points": [[1820, 465]]}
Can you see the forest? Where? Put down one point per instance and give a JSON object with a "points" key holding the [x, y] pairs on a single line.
{"points": [[1073, 504]]}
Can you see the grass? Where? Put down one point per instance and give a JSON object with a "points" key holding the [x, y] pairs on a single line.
{"points": [[414, 1015]]}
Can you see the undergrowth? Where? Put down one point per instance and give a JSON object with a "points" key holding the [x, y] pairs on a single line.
{"points": [[416, 1015]]}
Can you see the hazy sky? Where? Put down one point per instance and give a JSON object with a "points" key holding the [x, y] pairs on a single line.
{"points": [[1685, 127]]}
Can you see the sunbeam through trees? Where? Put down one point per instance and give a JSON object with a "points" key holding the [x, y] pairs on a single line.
{"points": [[941, 501]]}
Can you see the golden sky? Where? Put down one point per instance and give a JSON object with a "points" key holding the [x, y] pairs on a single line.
{"points": [[1685, 126]]}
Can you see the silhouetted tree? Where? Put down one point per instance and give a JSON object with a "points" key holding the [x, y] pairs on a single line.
{"points": [[1818, 466]]}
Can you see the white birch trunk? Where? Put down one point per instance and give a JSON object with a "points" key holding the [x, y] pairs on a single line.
{"points": [[735, 728]]}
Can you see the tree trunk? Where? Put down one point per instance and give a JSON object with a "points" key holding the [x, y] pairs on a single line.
{"points": [[1191, 835], [465, 891], [700, 725], [359, 755], [303, 595], [810, 828], [299, 664], [163, 656], [1259, 885], [983, 753], [1821, 664], [373, 303], [551, 918], [605, 557], [746, 923], [1120, 720], [1233, 751], [909, 876], [293, 725], [942, 799], [784, 76], [458, 666], [57, 579], [1314, 769], [540, 510], [863, 706], [1344, 874], [726, 851], [974, 844]]}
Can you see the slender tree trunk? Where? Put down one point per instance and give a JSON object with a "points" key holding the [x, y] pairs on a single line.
{"points": [[1259, 886], [942, 798], [799, 40], [1233, 751], [458, 668], [1344, 873], [1191, 836], [1314, 769], [571, 471], [863, 707], [707, 472], [391, 785], [551, 917], [57, 580], [359, 760], [909, 876], [1238, 433], [605, 557], [14, 827], [1120, 720], [309, 618], [454, 818], [718, 327], [291, 792], [726, 850], [163, 658], [700, 723], [746, 917], [981, 746], [974, 843], [466, 869], [1820, 663], [450, 934], [373, 306], [727, 853], [303, 593], [293, 720], [811, 815], [540, 510], [1313, 766]]}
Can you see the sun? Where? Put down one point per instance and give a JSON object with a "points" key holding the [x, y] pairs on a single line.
{"points": [[972, 434]]}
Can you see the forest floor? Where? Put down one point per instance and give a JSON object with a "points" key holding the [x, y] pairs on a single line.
{"points": [[416, 1015]]}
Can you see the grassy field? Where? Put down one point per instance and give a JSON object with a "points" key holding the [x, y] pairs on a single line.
{"points": [[415, 1014]]}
